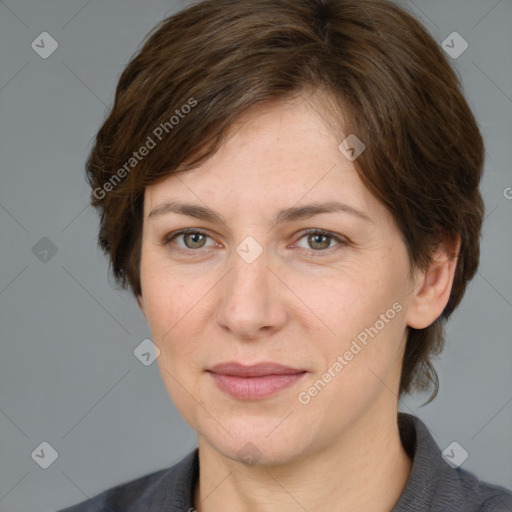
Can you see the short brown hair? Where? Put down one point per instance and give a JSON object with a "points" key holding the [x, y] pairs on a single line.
{"points": [[201, 68]]}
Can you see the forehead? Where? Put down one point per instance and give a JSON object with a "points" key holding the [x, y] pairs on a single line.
{"points": [[273, 156]]}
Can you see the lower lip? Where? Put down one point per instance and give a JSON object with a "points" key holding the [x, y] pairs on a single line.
{"points": [[254, 388]]}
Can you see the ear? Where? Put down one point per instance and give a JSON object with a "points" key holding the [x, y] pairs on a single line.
{"points": [[433, 286]]}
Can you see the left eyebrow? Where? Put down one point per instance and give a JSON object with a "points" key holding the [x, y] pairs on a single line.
{"points": [[284, 215], [309, 210]]}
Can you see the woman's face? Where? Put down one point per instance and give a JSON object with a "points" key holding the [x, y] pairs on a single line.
{"points": [[253, 286]]}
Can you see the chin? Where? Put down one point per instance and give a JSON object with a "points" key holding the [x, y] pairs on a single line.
{"points": [[258, 442]]}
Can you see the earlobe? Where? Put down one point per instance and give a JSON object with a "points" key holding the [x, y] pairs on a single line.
{"points": [[434, 286]]}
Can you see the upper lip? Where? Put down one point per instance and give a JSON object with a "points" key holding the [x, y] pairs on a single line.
{"points": [[255, 370]]}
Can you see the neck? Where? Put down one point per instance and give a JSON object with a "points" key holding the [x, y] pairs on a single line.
{"points": [[365, 469]]}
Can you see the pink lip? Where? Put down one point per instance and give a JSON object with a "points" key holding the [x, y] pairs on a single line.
{"points": [[256, 381]]}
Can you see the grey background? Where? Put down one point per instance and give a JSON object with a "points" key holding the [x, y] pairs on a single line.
{"points": [[68, 375]]}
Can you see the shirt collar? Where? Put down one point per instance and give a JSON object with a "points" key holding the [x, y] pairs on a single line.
{"points": [[428, 469]]}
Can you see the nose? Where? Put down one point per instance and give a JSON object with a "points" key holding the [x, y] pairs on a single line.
{"points": [[252, 303]]}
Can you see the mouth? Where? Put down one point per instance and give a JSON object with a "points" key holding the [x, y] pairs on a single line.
{"points": [[254, 382]]}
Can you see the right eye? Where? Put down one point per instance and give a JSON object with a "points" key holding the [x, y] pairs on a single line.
{"points": [[193, 239]]}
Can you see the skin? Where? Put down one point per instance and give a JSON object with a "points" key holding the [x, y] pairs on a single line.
{"points": [[300, 303]]}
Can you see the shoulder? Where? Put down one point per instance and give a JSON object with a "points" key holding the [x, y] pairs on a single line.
{"points": [[435, 485], [170, 487], [483, 496], [498, 503], [478, 495], [125, 496]]}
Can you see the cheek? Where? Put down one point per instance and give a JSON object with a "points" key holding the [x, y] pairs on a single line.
{"points": [[363, 312], [170, 308], [345, 301], [165, 290], [166, 303]]}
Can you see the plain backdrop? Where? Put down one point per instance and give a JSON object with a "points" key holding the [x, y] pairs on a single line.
{"points": [[68, 373]]}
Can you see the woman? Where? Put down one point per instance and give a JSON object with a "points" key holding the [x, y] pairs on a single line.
{"points": [[285, 188]]}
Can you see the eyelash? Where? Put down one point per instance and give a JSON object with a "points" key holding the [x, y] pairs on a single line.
{"points": [[342, 242]]}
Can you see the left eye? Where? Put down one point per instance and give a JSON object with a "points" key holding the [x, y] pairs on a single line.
{"points": [[319, 241]]}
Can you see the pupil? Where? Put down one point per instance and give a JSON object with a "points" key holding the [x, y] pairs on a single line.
{"points": [[318, 239], [194, 237]]}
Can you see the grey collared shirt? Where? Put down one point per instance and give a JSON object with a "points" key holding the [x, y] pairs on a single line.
{"points": [[433, 485]]}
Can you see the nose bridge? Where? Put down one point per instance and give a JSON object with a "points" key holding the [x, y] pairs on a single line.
{"points": [[249, 301], [250, 269]]}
